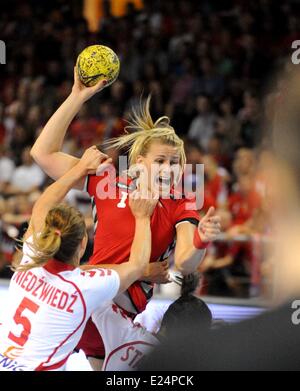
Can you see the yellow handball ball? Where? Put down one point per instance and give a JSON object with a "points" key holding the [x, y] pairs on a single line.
{"points": [[97, 62]]}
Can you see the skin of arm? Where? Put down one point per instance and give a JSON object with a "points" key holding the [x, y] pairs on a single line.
{"points": [[187, 257], [134, 268], [46, 150], [140, 252], [219, 263], [156, 272], [211, 263], [55, 193]]}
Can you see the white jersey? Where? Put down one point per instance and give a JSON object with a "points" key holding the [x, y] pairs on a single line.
{"points": [[47, 311], [125, 342]]}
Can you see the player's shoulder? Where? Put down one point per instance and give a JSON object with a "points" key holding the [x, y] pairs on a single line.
{"points": [[95, 273], [94, 178], [108, 176], [177, 199], [95, 280], [109, 182]]}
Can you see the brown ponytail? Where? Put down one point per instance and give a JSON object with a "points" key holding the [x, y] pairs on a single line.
{"points": [[60, 237]]}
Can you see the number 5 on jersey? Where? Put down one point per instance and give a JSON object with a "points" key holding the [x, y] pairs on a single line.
{"points": [[26, 304]]}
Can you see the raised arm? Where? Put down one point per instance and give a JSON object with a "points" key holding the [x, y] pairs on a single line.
{"points": [[56, 192], [47, 149]]}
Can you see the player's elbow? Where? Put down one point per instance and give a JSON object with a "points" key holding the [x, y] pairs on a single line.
{"points": [[41, 158], [36, 154], [33, 152]]}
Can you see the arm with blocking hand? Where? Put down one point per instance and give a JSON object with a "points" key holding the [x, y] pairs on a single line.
{"points": [[142, 205], [191, 242], [55, 193]]}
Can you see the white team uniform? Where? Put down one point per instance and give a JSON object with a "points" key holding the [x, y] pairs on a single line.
{"points": [[47, 311], [125, 342]]}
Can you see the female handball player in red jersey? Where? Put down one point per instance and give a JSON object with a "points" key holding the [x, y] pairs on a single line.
{"points": [[50, 298], [156, 147]]}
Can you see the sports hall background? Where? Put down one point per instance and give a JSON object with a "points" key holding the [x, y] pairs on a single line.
{"points": [[207, 64]]}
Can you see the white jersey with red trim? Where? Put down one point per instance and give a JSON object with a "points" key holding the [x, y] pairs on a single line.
{"points": [[47, 310], [125, 342]]}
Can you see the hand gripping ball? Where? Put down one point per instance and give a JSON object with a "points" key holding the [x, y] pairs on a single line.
{"points": [[97, 62]]}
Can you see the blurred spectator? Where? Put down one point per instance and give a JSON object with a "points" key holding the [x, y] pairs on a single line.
{"points": [[84, 129], [28, 177], [210, 83], [231, 125], [244, 163], [202, 127], [215, 266], [249, 116], [7, 167], [2, 128], [242, 204], [216, 179], [218, 147]]}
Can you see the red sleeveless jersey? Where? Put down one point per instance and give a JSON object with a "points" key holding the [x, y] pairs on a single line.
{"points": [[115, 225]]}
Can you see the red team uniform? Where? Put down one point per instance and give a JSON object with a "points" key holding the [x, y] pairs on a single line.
{"points": [[243, 206], [114, 233]]}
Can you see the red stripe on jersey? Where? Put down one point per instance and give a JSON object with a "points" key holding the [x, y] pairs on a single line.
{"points": [[53, 266], [42, 366], [124, 346], [57, 365]]}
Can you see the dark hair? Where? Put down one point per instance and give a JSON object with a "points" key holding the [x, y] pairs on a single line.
{"points": [[205, 96], [188, 311]]}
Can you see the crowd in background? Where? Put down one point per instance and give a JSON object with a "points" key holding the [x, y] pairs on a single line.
{"points": [[207, 65]]}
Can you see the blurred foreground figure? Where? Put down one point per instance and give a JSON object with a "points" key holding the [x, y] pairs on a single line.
{"points": [[270, 341]]}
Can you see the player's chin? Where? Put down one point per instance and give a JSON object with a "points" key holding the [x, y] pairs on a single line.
{"points": [[163, 184], [163, 187], [164, 190]]}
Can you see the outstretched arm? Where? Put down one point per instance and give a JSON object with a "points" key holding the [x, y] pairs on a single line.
{"points": [[140, 252], [56, 192], [47, 149]]}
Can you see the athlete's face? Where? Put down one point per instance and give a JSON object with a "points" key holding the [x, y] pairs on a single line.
{"points": [[162, 166]]}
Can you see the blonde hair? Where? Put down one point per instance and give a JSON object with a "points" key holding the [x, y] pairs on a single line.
{"points": [[60, 237], [142, 131]]}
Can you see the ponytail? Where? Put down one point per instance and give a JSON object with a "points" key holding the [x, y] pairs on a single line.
{"points": [[189, 284], [60, 237]]}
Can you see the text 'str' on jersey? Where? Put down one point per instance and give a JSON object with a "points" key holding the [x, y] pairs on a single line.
{"points": [[115, 224]]}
